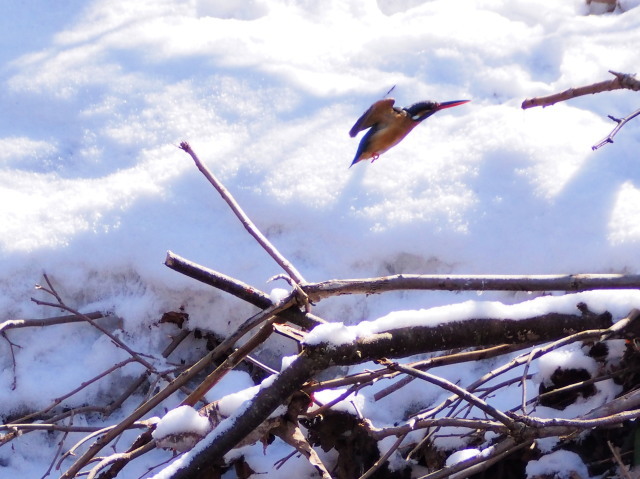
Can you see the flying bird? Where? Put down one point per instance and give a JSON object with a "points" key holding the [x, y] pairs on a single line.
{"points": [[388, 125]]}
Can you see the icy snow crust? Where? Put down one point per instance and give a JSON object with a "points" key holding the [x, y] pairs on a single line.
{"points": [[97, 94]]}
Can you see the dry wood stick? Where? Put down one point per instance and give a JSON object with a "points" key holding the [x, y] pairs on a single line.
{"points": [[231, 362], [83, 385], [621, 81], [456, 282], [379, 463], [237, 288], [32, 323], [244, 219]]}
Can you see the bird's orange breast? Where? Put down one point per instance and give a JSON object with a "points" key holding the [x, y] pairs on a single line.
{"points": [[387, 136]]}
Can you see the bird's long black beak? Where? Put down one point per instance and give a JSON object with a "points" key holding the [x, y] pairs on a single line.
{"points": [[450, 104]]}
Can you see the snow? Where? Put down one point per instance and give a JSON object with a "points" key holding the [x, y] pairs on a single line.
{"points": [[96, 95], [462, 455], [560, 464], [278, 294], [179, 420]]}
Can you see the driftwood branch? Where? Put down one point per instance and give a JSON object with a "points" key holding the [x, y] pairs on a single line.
{"points": [[242, 216], [621, 81]]}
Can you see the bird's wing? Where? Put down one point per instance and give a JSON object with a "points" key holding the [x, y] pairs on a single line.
{"points": [[375, 114]]}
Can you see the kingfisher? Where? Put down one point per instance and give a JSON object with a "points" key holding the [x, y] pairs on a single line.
{"points": [[388, 125]]}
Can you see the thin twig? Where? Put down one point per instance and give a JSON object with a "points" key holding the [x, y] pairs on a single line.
{"points": [[38, 323], [61, 304], [182, 379], [524, 381], [244, 219], [120, 456], [14, 382], [457, 390], [83, 385], [58, 451], [378, 464], [620, 123], [448, 359], [621, 465], [518, 361]]}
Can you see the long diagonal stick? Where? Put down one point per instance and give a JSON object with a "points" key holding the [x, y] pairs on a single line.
{"points": [[246, 222]]}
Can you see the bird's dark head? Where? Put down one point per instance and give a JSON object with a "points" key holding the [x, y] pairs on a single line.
{"points": [[424, 109]]}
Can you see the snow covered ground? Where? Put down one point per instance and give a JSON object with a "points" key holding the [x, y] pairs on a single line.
{"points": [[96, 95]]}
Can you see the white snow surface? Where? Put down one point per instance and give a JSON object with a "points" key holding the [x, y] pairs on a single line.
{"points": [[97, 94], [179, 420], [560, 464]]}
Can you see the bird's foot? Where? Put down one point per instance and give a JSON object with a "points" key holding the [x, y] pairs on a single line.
{"points": [[374, 157]]}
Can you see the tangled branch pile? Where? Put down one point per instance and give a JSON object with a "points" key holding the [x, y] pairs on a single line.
{"points": [[333, 435]]}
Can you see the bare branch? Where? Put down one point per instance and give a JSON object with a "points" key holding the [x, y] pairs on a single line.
{"points": [[378, 464], [244, 219], [561, 282], [231, 362], [83, 385], [117, 341], [14, 382], [237, 288], [457, 390], [620, 123], [32, 323], [621, 81]]}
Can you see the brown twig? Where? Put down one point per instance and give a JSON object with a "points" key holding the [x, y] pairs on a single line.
{"points": [[238, 289], [378, 464], [33, 323], [244, 219], [448, 359], [621, 81], [518, 361], [232, 361], [455, 389], [618, 459]]}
